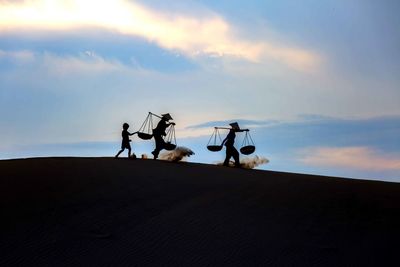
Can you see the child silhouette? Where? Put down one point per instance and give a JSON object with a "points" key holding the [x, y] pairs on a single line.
{"points": [[125, 141]]}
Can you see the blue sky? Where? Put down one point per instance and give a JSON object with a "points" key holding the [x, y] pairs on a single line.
{"points": [[316, 81]]}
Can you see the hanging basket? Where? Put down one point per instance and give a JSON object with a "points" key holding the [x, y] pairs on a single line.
{"points": [[248, 146], [170, 139], [247, 150], [144, 136], [169, 146], [214, 148], [212, 144], [146, 130]]}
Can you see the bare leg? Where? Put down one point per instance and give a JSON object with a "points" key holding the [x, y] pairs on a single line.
{"points": [[228, 156], [226, 162], [129, 153], [122, 150], [159, 146], [236, 157], [155, 153]]}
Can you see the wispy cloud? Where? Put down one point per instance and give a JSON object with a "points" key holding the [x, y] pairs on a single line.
{"points": [[242, 122], [85, 62], [22, 56], [361, 158], [208, 34]]}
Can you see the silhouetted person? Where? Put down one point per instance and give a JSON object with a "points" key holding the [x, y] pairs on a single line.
{"points": [[125, 141], [229, 142], [159, 132]]}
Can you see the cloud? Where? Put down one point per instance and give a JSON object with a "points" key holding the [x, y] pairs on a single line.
{"points": [[194, 36], [22, 56], [357, 157], [85, 62], [246, 123], [315, 117]]}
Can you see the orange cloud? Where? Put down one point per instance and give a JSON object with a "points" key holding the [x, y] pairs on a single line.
{"points": [[190, 35]]}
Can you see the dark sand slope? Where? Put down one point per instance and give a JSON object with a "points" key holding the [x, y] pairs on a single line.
{"points": [[107, 212]]}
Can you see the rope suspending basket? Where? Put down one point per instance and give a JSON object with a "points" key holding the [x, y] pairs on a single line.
{"points": [[248, 146], [170, 138], [145, 131], [212, 144]]}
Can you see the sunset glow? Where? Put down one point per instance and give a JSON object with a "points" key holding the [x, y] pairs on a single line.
{"points": [[213, 35]]}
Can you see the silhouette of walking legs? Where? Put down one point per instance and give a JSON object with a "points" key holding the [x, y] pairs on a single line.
{"points": [[122, 150], [232, 152], [159, 145]]}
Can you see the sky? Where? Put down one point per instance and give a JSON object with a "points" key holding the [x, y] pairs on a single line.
{"points": [[316, 82]]}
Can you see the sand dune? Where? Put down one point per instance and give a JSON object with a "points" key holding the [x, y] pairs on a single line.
{"points": [[119, 212]]}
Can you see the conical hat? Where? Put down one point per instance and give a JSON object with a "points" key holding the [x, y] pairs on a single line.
{"points": [[167, 116], [234, 125]]}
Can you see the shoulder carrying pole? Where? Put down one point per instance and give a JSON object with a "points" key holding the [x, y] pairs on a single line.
{"points": [[226, 128]]}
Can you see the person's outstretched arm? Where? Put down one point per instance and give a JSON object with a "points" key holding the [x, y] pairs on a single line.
{"points": [[133, 133], [223, 142]]}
